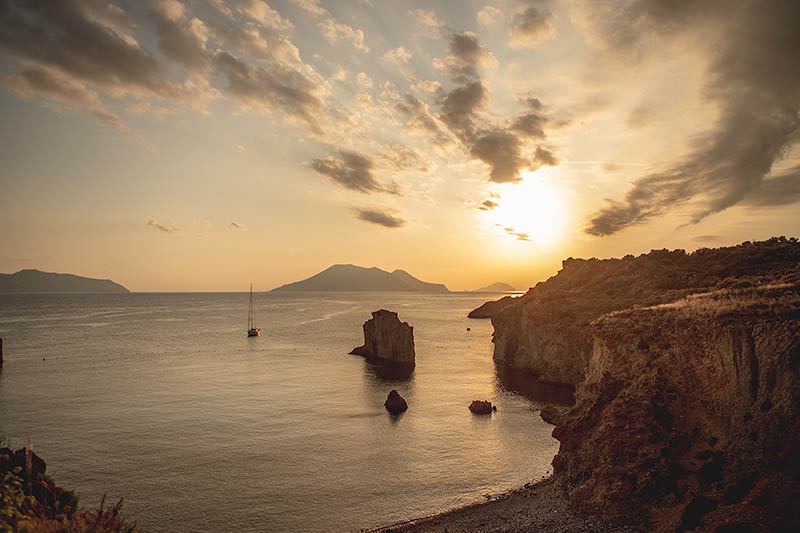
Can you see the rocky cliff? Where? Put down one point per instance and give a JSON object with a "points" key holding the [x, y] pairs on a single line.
{"points": [[689, 415], [387, 340], [545, 333]]}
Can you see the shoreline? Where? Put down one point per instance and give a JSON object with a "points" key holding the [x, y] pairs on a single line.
{"points": [[536, 506]]}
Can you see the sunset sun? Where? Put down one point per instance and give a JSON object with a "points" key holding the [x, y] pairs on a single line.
{"points": [[533, 210]]}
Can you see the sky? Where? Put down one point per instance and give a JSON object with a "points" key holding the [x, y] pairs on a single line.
{"points": [[193, 145]]}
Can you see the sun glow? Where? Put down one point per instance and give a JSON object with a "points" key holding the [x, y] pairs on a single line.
{"points": [[533, 210]]}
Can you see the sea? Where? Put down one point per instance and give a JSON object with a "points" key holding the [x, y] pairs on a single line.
{"points": [[162, 400]]}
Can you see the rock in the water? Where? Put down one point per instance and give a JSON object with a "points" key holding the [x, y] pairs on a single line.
{"points": [[388, 340], [689, 415], [552, 415], [482, 407], [395, 403]]}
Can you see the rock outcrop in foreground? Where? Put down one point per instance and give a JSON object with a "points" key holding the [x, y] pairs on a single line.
{"points": [[387, 340], [482, 407], [546, 332], [689, 416]]}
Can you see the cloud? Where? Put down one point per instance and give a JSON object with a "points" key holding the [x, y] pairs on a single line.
{"points": [[641, 116], [519, 235], [428, 20], [489, 16], [531, 27], [505, 148], [237, 225], [397, 56], [55, 88], [706, 238], [754, 81], [271, 85], [166, 228], [783, 189], [312, 7], [352, 170], [265, 14], [398, 157], [63, 36], [335, 31], [180, 37], [421, 121], [488, 205], [380, 217]]}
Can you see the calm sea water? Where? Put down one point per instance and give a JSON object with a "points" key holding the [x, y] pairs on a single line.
{"points": [[161, 399]]}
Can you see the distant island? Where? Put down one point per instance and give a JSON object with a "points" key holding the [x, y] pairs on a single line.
{"points": [[357, 278], [497, 287], [36, 281]]}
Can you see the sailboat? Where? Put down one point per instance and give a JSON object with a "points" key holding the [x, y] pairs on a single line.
{"points": [[252, 330]]}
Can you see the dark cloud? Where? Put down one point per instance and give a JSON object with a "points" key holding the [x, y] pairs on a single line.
{"points": [[62, 35], [273, 85], [521, 236], [754, 80], [181, 38], [420, 120], [55, 88], [352, 171], [398, 157], [501, 150], [380, 217], [488, 205], [532, 26], [460, 106], [706, 238], [237, 225], [783, 189], [506, 149]]}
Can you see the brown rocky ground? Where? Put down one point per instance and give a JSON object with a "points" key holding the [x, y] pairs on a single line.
{"points": [[536, 507]]}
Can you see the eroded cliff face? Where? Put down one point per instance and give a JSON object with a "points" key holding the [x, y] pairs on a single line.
{"points": [[689, 416], [545, 333], [388, 340]]}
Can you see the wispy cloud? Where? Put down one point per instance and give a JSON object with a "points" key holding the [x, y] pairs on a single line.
{"points": [[237, 225], [379, 217], [166, 228]]}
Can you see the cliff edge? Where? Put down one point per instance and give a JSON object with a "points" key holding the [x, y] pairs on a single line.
{"points": [[545, 333], [689, 416]]}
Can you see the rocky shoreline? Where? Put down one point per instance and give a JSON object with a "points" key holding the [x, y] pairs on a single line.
{"points": [[536, 507]]}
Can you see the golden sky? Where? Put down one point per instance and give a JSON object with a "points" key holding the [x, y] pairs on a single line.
{"points": [[203, 144]]}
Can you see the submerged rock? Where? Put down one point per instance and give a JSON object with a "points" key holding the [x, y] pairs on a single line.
{"points": [[387, 339], [482, 407], [395, 403]]}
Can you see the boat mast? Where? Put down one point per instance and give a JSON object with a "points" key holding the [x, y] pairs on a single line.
{"points": [[250, 313]]}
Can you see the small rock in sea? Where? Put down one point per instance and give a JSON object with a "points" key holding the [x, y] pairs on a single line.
{"points": [[395, 403], [482, 407], [469, 329]]}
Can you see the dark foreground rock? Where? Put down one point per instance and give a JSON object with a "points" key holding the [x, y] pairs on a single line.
{"points": [[690, 415], [482, 407], [395, 403], [489, 309], [546, 332], [387, 339]]}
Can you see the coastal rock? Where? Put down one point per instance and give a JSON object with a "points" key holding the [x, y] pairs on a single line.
{"points": [[395, 403], [690, 414], [545, 333], [387, 340], [482, 407], [552, 415], [489, 309]]}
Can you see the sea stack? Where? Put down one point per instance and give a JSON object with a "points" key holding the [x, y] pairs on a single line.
{"points": [[387, 340]]}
